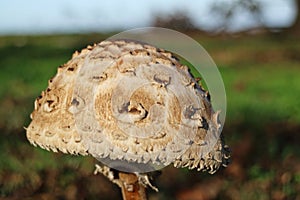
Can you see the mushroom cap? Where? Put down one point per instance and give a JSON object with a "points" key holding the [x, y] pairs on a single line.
{"points": [[127, 101]]}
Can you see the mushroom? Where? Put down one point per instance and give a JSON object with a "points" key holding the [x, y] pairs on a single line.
{"points": [[132, 106]]}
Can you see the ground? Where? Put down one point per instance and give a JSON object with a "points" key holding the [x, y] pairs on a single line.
{"points": [[261, 75]]}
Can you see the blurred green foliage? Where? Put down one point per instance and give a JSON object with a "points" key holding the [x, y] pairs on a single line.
{"points": [[261, 76]]}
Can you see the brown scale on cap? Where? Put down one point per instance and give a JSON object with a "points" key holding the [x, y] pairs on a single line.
{"points": [[128, 101]]}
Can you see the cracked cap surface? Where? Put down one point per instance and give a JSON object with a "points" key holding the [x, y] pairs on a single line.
{"points": [[126, 101]]}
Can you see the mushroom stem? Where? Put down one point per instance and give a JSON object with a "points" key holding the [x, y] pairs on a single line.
{"points": [[132, 189], [130, 184]]}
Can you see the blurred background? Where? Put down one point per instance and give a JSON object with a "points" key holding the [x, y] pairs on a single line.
{"points": [[255, 44]]}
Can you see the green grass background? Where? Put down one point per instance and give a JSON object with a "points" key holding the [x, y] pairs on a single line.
{"points": [[262, 80]]}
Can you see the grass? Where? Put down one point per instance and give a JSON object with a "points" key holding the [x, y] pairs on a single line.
{"points": [[261, 77]]}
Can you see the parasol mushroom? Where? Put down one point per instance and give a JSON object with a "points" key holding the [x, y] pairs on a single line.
{"points": [[132, 106]]}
